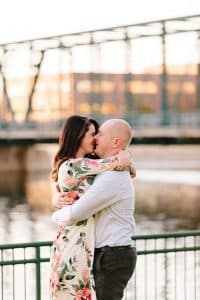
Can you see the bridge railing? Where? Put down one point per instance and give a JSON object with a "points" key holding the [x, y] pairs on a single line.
{"points": [[136, 119], [146, 130], [168, 267]]}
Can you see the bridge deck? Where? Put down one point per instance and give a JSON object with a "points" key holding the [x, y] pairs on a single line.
{"points": [[152, 135]]}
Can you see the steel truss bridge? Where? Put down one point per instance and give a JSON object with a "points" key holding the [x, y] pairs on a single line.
{"points": [[99, 73]]}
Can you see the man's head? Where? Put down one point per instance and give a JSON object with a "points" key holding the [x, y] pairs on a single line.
{"points": [[114, 135]]}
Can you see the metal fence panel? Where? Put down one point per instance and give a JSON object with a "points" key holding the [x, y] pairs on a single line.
{"points": [[168, 268]]}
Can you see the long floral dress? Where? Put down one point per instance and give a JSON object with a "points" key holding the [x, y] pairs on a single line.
{"points": [[72, 254]]}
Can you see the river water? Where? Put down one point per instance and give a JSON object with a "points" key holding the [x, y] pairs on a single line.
{"points": [[19, 223], [167, 193]]}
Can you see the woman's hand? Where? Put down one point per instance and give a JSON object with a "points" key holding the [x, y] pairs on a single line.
{"points": [[132, 168], [125, 162], [61, 199]]}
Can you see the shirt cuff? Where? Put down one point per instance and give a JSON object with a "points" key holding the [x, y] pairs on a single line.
{"points": [[60, 216]]}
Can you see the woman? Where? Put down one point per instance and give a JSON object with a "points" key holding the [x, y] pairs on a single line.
{"points": [[72, 251]]}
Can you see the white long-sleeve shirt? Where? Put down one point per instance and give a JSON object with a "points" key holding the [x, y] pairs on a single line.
{"points": [[112, 199]]}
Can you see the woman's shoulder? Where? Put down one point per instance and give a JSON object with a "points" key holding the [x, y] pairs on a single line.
{"points": [[66, 168], [70, 163]]}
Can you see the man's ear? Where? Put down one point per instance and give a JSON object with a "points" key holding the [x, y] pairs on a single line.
{"points": [[117, 143]]}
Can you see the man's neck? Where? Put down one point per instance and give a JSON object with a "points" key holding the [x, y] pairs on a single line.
{"points": [[111, 153]]}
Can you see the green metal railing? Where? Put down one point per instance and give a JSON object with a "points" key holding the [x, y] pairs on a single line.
{"points": [[168, 268]]}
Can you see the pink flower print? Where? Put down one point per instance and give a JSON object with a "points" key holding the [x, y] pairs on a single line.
{"points": [[85, 275], [54, 283], [70, 181], [57, 260], [59, 232], [84, 294], [73, 194], [92, 163]]}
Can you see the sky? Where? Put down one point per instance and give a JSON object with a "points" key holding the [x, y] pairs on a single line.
{"points": [[28, 19]]}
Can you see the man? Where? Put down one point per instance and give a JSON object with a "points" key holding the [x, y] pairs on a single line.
{"points": [[111, 199]]}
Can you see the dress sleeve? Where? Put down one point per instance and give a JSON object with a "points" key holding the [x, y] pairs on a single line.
{"points": [[74, 171], [86, 166]]}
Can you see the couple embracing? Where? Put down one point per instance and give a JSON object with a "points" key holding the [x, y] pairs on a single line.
{"points": [[93, 256]]}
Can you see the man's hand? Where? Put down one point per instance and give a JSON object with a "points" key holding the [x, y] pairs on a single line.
{"points": [[61, 199]]}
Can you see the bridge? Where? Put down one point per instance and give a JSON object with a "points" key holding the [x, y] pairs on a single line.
{"points": [[141, 136], [101, 73]]}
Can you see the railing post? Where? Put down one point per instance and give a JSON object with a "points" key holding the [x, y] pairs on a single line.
{"points": [[165, 113], [38, 274]]}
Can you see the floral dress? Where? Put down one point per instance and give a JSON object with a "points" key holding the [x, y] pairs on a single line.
{"points": [[72, 254]]}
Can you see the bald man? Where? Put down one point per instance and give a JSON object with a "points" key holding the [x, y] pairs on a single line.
{"points": [[111, 199], [114, 135]]}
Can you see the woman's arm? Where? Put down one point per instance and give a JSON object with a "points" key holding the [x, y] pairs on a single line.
{"points": [[74, 171], [87, 166]]}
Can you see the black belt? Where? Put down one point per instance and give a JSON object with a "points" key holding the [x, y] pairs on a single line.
{"points": [[110, 248]]}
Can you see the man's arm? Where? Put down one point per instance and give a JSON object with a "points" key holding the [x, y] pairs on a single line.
{"points": [[103, 193]]}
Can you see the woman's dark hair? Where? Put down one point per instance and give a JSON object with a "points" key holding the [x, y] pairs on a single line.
{"points": [[72, 134]]}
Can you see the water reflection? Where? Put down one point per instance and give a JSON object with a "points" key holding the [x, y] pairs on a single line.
{"points": [[12, 186], [21, 223], [25, 206]]}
